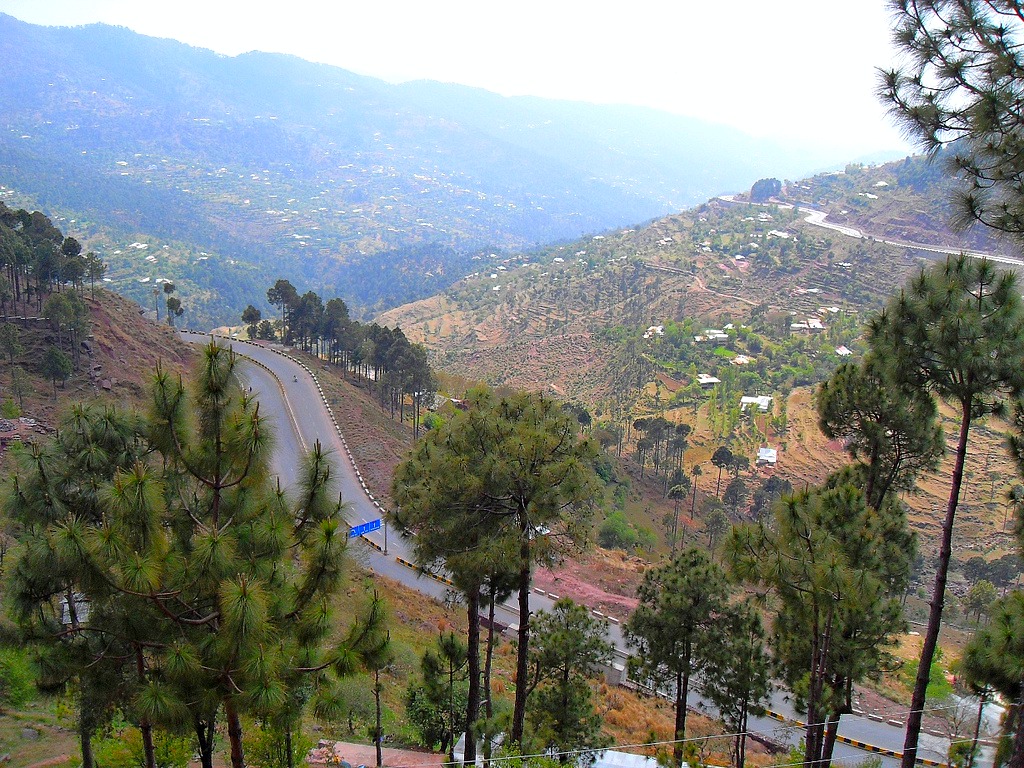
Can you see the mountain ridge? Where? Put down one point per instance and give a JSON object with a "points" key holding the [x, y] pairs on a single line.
{"points": [[267, 165]]}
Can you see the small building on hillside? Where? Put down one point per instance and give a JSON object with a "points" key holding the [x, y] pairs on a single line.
{"points": [[767, 457], [707, 380], [763, 402], [712, 334]]}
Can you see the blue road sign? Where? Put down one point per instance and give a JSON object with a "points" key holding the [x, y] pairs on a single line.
{"points": [[359, 530]]}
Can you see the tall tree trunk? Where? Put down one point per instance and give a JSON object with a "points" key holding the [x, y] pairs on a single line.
{"points": [[148, 748], [473, 658], [1017, 752], [831, 732], [205, 730], [522, 659], [234, 735], [812, 743], [931, 637], [982, 697], [378, 735], [682, 688], [488, 661], [85, 738], [288, 746], [741, 738], [451, 710], [145, 726]]}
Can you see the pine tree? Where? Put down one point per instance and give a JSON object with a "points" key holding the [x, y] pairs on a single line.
{"points": [[721, 458], [960, 88], [957, 331], [670, 629], [738, 677], [455, 532], [837, 570], [216, 584], [55, 496], [891, 431], [516, 463], [569, 646], [994, 658]]}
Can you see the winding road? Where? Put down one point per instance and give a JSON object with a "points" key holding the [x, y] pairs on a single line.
{"points": [[291, 399], [820, 219]]}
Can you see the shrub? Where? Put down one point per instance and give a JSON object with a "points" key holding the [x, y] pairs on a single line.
{"points": [[617, 533], [17, 678], [123, 749]]}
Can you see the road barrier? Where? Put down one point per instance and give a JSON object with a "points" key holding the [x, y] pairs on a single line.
{"points": [[859, 744], [436, 577]]}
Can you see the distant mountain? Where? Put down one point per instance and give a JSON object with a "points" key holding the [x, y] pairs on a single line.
{"points": [[232, 171]]}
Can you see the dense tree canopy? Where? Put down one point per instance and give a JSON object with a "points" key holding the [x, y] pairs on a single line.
{"points": [[35, 259]]}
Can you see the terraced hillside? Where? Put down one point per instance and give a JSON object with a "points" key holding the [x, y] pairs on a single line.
{"points": [[681, 317]]}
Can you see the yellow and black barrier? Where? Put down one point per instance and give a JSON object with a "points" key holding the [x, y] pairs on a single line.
{"points": [[434, 576], [860, 744], [374, 544]]}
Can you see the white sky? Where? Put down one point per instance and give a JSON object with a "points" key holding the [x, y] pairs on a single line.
{"points": [[802, 69]]}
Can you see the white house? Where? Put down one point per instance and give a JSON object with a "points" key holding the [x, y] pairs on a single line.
{"points": [[707, 380], [767, 456], [763, 402]]}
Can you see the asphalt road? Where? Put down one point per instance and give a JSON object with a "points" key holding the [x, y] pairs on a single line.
{"points": [[291, 400]]}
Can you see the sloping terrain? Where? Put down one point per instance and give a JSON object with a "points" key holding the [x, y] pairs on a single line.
{"points": [[757, 296], [568, 318], [117, 359]]}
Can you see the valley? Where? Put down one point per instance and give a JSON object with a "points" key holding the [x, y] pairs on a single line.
{"points": [[267, 166], [625, 443]]}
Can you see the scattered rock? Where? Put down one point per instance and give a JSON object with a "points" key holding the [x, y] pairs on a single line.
{"points": [[29, 734]]}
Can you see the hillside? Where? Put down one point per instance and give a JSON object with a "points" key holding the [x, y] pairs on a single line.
{"points": [[750, 299], [118, 356], [569, 318], [224, 173]]}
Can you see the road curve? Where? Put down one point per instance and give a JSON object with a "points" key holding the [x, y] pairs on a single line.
{"points": [[820, 219], [291, 400]]}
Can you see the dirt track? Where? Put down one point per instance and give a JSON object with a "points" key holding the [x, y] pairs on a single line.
{"points": [[333, 752]]}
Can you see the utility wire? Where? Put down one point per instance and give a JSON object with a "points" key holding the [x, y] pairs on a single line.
{"points": [[673, 742]]}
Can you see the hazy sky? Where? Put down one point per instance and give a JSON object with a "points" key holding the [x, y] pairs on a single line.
{"points": [[798, 68]]}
